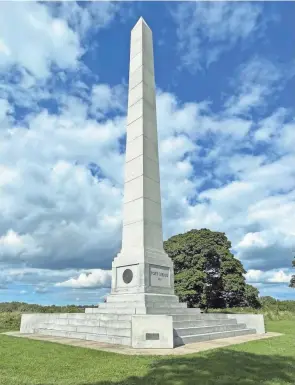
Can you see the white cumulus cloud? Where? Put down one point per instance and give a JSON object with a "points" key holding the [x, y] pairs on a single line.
{"points": [[94, 279], [218, 22], [268, 277]]}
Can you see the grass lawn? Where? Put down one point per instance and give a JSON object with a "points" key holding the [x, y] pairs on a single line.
{"points": [[266, 362]]}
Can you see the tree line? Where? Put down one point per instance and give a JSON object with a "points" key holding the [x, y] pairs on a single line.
{"points": [[23, 307]]}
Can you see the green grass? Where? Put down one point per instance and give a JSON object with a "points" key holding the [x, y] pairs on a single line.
{"points": [[272, 313], [266, 362]]}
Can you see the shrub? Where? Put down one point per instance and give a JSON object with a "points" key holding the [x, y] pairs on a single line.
{"points": [[10, 320]]}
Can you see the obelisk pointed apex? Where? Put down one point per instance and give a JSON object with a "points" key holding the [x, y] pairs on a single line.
{"points": [[141, 21]]}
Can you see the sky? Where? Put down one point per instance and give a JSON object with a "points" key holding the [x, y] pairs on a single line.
{"points": [[225, 75]]}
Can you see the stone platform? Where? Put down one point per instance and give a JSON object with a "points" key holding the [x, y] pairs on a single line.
{"points": [[149, 324]]}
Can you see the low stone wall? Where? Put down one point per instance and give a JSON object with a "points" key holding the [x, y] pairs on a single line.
{"points": [[31, 321], [252, 321]]}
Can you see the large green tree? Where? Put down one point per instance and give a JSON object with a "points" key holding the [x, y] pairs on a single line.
{"points": [[206, 272]]}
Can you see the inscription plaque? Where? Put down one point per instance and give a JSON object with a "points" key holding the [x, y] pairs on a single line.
{"points": [[152, 336], [159, 276]]}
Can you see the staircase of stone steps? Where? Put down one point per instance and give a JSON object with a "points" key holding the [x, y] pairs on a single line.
{"points": [[206, 327], [198, 322]]}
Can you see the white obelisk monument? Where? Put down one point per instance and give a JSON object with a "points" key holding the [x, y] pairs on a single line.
{"points": [[142, 310], [142, 267]]}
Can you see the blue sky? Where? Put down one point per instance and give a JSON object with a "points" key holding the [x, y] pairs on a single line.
{"points": [[225, 102]]}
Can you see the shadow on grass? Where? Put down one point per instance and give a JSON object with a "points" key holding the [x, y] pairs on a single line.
{"points": [[218, 368]]}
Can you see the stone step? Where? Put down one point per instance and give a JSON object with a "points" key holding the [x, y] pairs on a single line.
{"points": [[115, 317], [102, 323], [109, 339], [197, 316], [60, 333], [106, 316], [85, 322], [214, 316], [188, 331], [117, 305], [186, 317], [143, 298], [144, 310], [51, 326], [168, 304], [173, 311], [115, 324], [103, 320], [64, 318], [113, 310], [119, 331], [211, 336], [86, 336], [74, 316], [71, 315], [58, 321], [110, 310], [197, 323]]}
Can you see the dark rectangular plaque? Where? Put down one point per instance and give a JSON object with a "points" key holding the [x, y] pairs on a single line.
{"points": [[152, 336]]}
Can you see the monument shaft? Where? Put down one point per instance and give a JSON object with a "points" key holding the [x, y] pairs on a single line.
{"points": [[142, 220], [142, 239]]}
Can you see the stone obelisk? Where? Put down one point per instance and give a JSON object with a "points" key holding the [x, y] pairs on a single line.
{"points": [[142, 268], [142, 310]]}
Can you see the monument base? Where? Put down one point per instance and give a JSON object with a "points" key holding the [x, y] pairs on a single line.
{"points": [[142, 271], [152, 324], [143, 303]]}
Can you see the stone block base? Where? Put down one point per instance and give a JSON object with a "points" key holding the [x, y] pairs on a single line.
{"points": [[153, 327]]}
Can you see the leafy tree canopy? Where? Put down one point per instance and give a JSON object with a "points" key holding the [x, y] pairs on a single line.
{"points": [[206, 272]]}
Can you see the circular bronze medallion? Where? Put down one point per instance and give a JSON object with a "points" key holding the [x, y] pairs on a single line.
{"points": [[127, 276]]}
